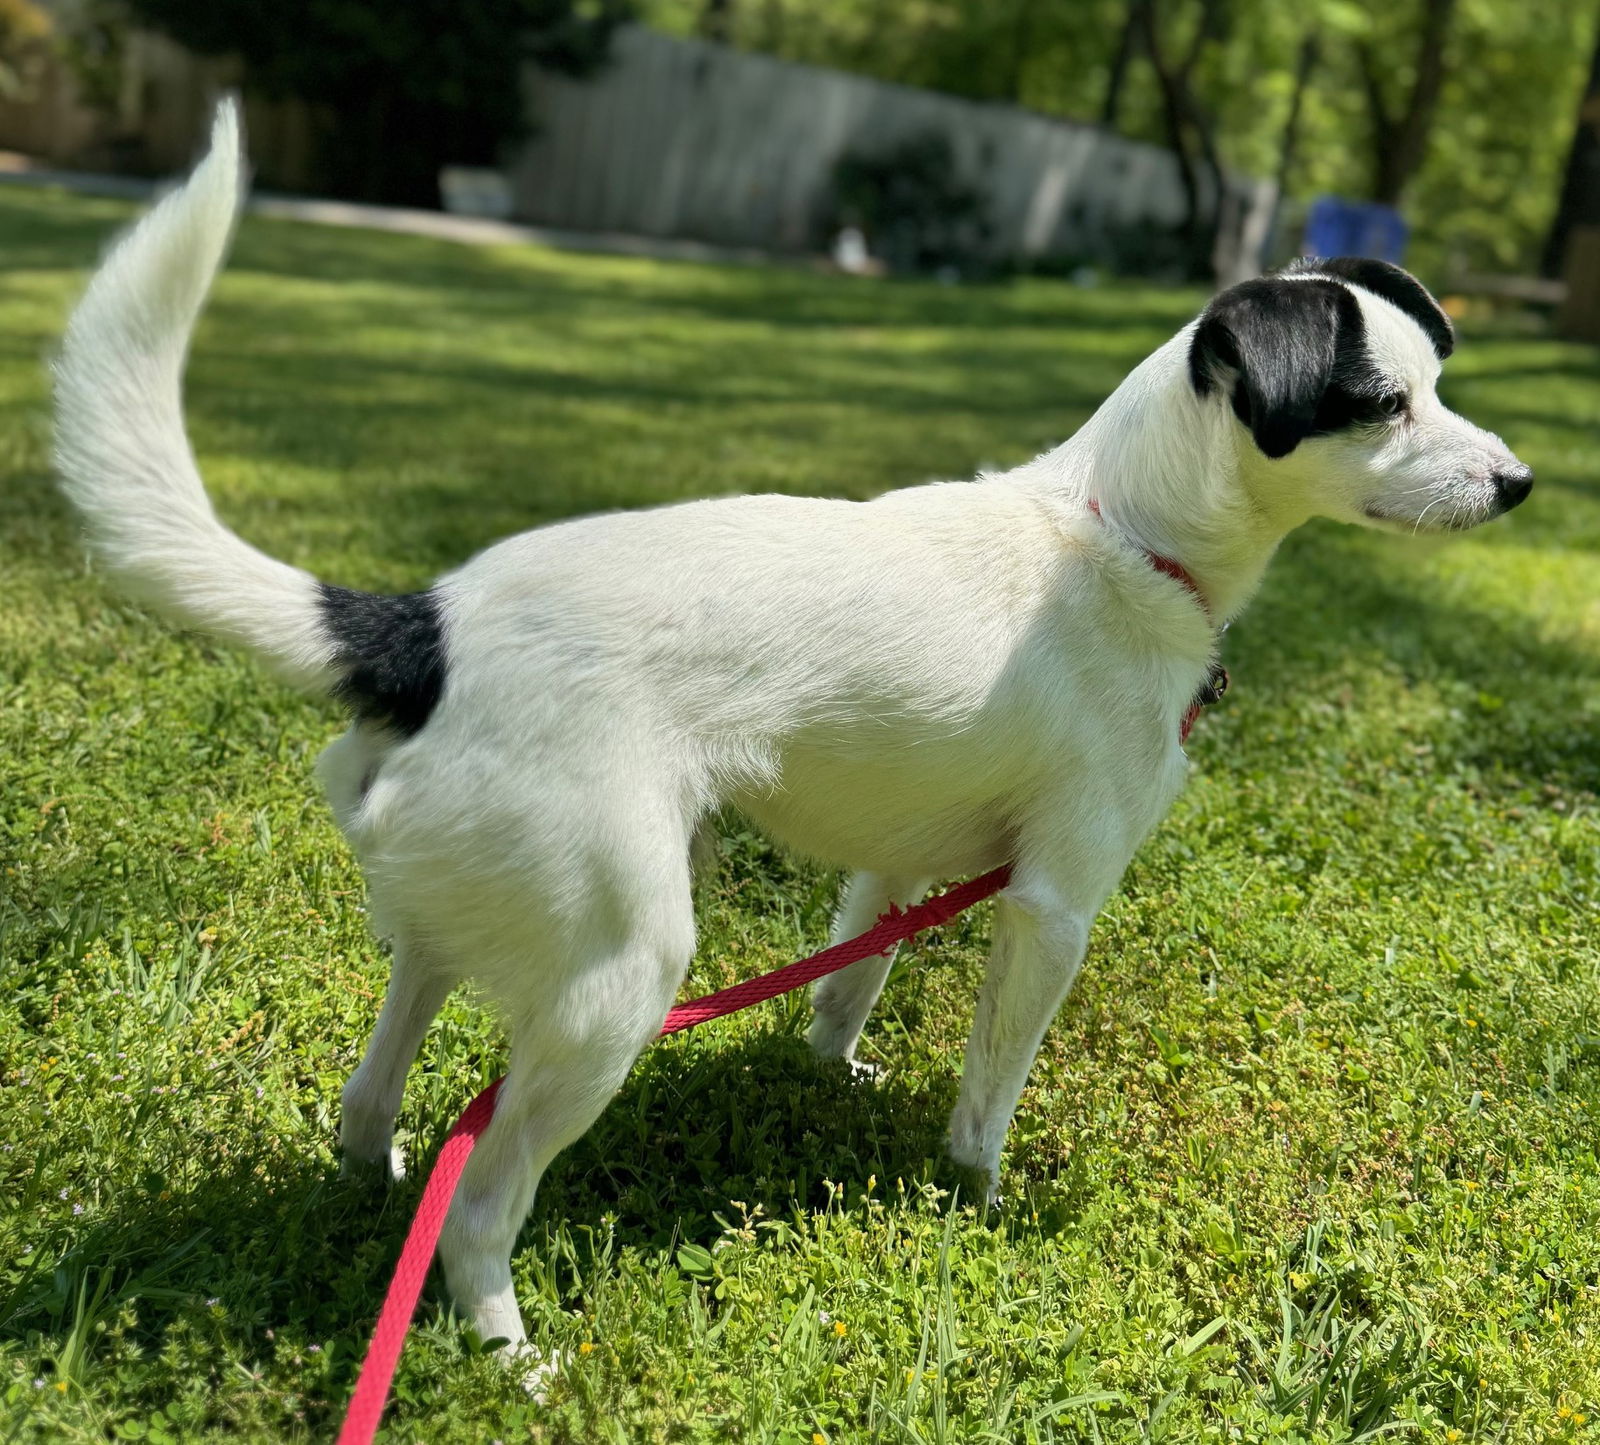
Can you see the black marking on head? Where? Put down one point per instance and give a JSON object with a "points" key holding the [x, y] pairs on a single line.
{"points": [[1399, 288], [1294, 355], [392, 652]]}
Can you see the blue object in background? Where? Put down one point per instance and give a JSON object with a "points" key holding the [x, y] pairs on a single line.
{"points": [[1336, 227]]}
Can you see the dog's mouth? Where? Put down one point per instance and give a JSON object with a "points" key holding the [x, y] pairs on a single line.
{"points": [[1429, 520]]}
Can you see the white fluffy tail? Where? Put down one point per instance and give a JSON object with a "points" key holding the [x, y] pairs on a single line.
{"points": [[121, 449]]}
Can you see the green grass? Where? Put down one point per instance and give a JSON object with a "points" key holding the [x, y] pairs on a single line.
{"points": [[1309, 1155]]}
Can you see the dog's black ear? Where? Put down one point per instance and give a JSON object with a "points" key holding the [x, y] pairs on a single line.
{"points": [[1399, 288], [1274, 345]]}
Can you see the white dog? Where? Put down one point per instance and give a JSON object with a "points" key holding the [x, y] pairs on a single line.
{"points": [[925, 685]]}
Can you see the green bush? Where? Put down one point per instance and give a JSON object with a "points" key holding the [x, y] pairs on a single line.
{"points": [[918, 213]]}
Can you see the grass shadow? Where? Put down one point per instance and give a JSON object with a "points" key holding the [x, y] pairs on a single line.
{"points": [[760, 1120], [697, 1125]]}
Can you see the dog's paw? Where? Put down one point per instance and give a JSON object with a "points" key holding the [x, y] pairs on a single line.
{"points": [[828, 1040], [532, 1368], [389, 1168], [829, 1050], [975, 1184]]}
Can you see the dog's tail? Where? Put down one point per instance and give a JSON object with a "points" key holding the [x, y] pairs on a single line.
{"points": [[122, 452]]}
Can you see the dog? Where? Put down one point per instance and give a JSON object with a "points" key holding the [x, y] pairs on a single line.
{"points": [[928, 684]]}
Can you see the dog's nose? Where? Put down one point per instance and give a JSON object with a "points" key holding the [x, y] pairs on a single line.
{"points": [[1512, 485]]}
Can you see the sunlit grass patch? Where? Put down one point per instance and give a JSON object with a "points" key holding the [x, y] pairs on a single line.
{"points": [[1309, 1155]]}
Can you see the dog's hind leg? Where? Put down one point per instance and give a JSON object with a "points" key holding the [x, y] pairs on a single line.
{"points": [[576, 1029], [371, 1099], [843, 1000]]}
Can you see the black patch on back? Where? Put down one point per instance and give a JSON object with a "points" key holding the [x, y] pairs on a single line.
{"points": [[392, 652], [1399, 288], [1295, 356]]}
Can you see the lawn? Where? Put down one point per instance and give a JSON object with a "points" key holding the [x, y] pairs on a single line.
{"points": [[1309, 1153]]}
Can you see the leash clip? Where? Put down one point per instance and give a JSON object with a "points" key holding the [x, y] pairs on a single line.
{"points": [[1214, 688]]}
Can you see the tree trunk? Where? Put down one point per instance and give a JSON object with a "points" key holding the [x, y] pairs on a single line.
{"points": [[1580, 188], [1400, 142], [1190, 129], [1254, 209], [1172, 110], [1021, 35], [1127, 47], [1579, 315], [1310, 49]]}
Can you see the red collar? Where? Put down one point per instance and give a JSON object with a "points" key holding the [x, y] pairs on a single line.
{"points": [[1169, 565], [1217, 682]]}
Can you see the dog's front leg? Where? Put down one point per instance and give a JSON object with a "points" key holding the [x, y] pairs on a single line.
{"points": [[1038, 946], [1067, 866], [843, 1000]]}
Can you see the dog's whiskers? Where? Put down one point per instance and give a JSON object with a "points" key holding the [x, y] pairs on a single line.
{"points": [[1421, 516]]}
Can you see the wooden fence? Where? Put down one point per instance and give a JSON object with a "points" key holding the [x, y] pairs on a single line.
{"points": [[686, 138], [677, 138]]}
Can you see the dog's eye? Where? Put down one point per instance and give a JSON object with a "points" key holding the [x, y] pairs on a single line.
{"points": [[1392, 404]]}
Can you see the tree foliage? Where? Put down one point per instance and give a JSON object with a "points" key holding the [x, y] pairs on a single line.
{"points": [[23, 25], [409, 86], [1459, 109]]}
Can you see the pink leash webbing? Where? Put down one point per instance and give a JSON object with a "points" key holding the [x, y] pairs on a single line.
{"points": [[365, 1411]]}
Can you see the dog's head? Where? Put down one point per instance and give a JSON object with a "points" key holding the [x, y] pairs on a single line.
{"points": [[1330, 369]]}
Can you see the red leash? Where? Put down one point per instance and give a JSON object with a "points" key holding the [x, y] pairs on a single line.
{"points": [[416, 1254]]}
